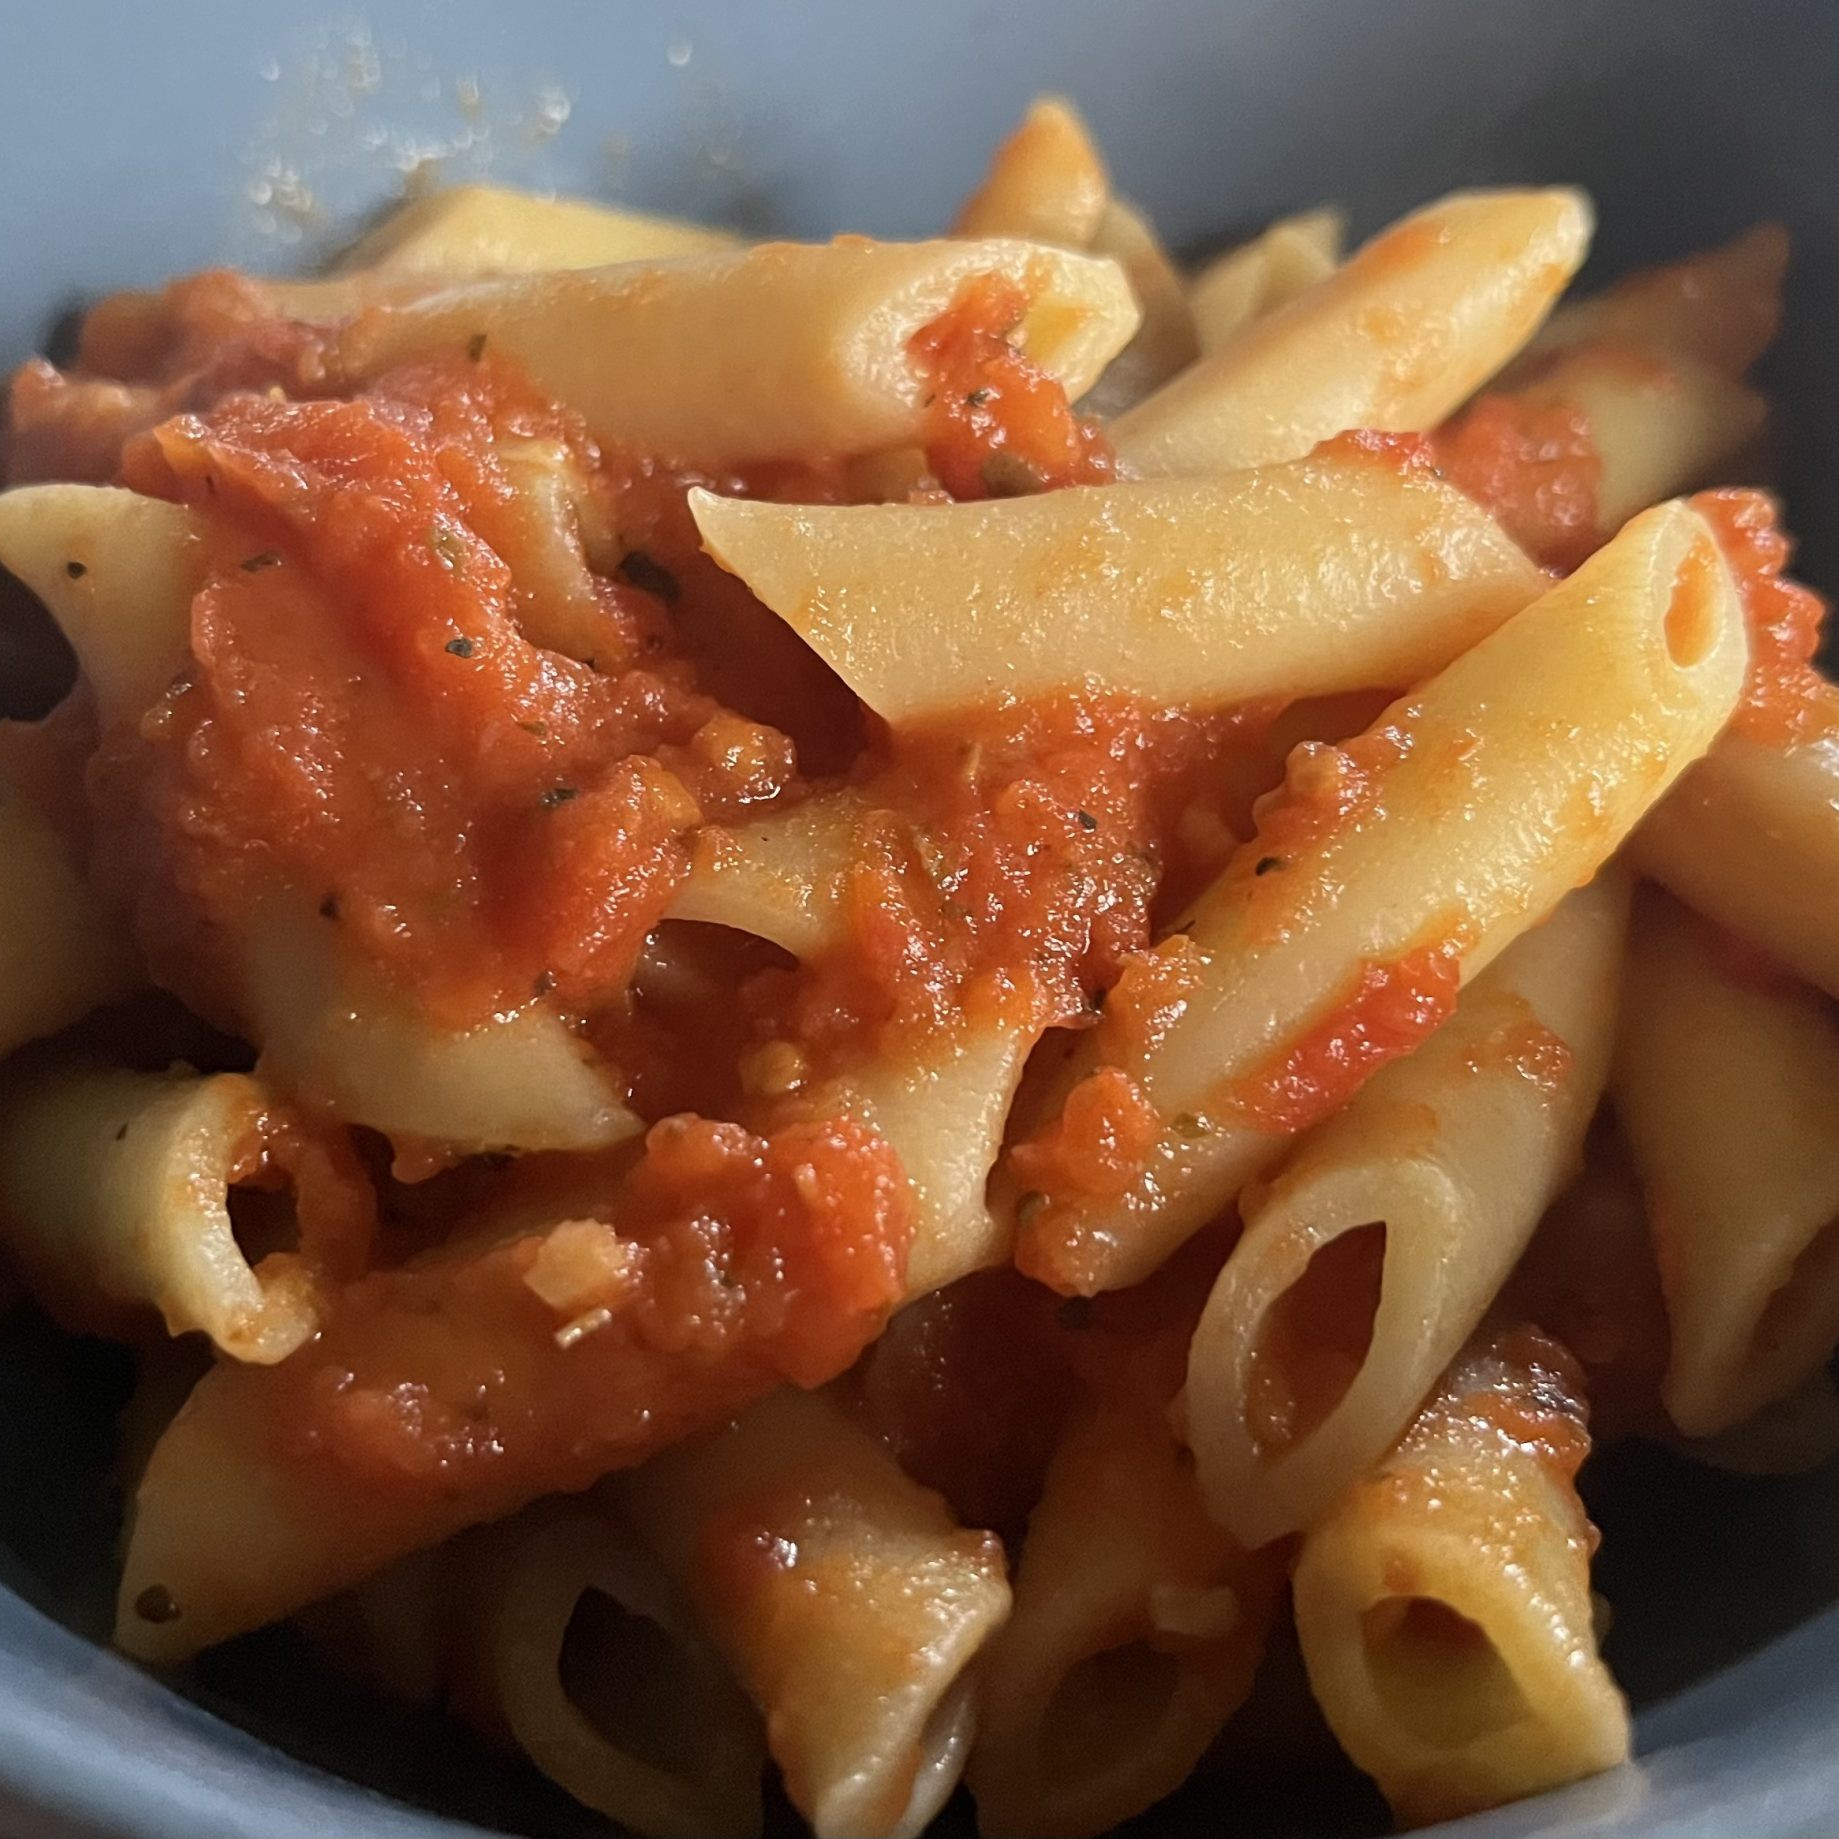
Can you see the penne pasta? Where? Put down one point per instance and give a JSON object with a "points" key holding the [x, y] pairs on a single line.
{"points": [[1596, 434], [117, 572], [61, 954], [1751, 839], [780, 877], [1720, 307], [341, 1039], [1166, 341], [1318, 954], [1395, 339], [1138, 1624], [115, 1205], [1047, 182], [1589, 1279], [557, 1635], [942, 1103], [527, 1353], [1256, 277], [1376, 1249], [847, 1600], [1347, 570], [911, 910], [463, 231], [1725, 1083], [795, 349], [1443, 1602]]}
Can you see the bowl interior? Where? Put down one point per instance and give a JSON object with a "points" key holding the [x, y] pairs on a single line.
{"points": [[137, 142]]}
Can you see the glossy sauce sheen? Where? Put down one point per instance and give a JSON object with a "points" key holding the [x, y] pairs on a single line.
{"points": [[1784, 698], [369, 728]]}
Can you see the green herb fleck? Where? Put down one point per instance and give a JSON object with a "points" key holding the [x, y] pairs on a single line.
{"points": [[1265, 864], [461, 647], [475, 347], [269, 558], [646, 573], [977, 398], [1186, 1124], [1087, 821], [558, 795], [75, 570], [539, 729], [1028, 1206], [545, 982]]}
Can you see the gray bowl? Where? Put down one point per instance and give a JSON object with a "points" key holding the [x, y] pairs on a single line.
{"points": [[138, 140]]}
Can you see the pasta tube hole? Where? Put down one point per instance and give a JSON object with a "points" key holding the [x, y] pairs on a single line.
{"points": [[263, 1221], [1314, 1340], [1437, 1674], [38, 667], [632, 1681], [1691, 623], [1108, 1705]]}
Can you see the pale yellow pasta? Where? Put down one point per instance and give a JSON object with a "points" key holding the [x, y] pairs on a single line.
{"points": [[1394, 339], [1720, 306], [780, 877], [469, 230], [557, 1634], [1288, 258], [1047, 182], [117, 572], [599, 1673], [1137, 1630], [1443, 1602], [942, 1102], [61, 952], [778, 351], [338, 1036], [1502, 783], [1658, 426], [941, 1098], [1341, 571], [1375, 1250], [1750, 838], [848, 1601], [1727, 1085], [1166, 341], [114, 1203]]}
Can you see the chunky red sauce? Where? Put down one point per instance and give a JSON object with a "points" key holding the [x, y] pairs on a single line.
{"points": [[1784, 698], [367, 726], [1534, 466], [996, 425], [1025, 866], [1096, 1148], [478, 754], [738, 1262], [1389, 1011]]}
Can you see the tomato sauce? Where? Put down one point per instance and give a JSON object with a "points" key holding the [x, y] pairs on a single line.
{"points": [[1535, 467], [1097, 1147], [998, 426], [1785, 699], [738, 1262], [1390, 1010], [366, 724], [1024, 868]]}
